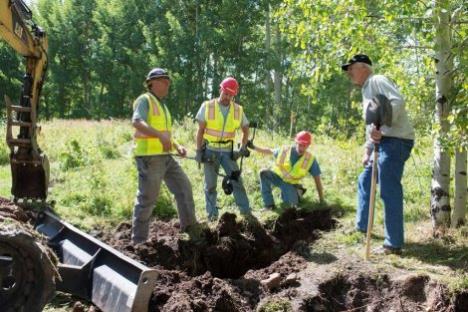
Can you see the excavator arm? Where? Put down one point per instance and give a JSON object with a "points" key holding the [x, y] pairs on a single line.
{"points": [[29, 166]]}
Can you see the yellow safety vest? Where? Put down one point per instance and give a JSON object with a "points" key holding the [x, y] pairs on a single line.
{"points": [[298, 171], [217, 128], [160, 119]]}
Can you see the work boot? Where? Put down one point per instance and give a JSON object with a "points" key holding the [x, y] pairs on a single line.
{"points": [[387, 250]]}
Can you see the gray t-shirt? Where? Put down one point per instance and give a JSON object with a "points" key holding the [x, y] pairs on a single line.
{"points": [[401, 125], [200, 117], [141, 109]]}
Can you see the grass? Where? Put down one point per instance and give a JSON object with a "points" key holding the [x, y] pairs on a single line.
{"points": [[93, 184]]}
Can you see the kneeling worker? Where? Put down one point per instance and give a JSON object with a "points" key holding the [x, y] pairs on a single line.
{"points": [[292, 164]]}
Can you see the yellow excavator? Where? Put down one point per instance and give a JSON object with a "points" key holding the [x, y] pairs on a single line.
{"points": [[85, 266], [29, 166]]}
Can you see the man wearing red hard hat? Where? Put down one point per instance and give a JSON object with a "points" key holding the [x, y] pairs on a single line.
{"points": [[218, 121], [292, 164]]}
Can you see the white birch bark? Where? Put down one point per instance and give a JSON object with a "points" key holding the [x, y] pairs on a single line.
{"points": [[459, 209], [440, 185]]}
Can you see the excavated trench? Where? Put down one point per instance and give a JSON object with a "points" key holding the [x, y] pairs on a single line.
{"points": [[229, 250]]}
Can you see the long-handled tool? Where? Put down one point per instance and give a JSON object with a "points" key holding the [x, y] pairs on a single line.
{"points": [[370, 221], [378, 112]]}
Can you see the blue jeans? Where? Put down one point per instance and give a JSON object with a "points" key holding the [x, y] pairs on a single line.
{"points": [[393, 152], [288, 191], [211, 170]]}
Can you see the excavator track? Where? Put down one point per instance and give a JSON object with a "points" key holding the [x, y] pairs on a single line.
{"points": [[27, 269]]}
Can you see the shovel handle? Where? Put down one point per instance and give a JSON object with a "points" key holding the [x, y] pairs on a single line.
{"points": [[370, 220]]}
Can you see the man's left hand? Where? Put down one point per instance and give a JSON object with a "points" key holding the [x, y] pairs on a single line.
{"points": [[244, 151], [375, 135], [181, 150]]}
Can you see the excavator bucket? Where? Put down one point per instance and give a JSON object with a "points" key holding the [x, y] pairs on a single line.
{"points": [[29, 166], [30, 179], [95, 271]]}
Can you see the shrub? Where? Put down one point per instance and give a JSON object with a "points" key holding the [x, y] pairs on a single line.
{"points": [[73, 157]]}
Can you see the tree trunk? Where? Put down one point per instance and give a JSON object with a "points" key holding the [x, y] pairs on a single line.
{"points": [[268, 109], [459, 209], [440, 198], [278, 75]]}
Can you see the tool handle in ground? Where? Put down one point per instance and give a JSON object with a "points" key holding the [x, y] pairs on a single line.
{"points": [[370, 220]]}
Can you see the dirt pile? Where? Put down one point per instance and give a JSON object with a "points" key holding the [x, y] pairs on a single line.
{"points": [[9, 210], [228, 268], [227, 251]]}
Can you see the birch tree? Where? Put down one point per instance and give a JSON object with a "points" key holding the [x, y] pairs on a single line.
{"points": [[440, 185], [459, 210]]}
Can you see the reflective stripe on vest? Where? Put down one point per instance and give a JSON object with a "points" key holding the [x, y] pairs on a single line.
{"points": [[292, 174], [217, 127], [160, 119]]}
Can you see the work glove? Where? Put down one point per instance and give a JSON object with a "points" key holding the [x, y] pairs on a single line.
{"points": [[244, 151], [199, 156], [250, 144]]}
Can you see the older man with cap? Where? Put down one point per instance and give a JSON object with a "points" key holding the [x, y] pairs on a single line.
{"points": [[218, 120], [292, 164], [154, 145], [395, 143]]}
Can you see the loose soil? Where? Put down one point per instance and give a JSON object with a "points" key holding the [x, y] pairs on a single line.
{"points": [[230, 268], [242, 265]]}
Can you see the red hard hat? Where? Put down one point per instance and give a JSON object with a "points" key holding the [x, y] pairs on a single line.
{"points": [[230, 86], [303, 137]]}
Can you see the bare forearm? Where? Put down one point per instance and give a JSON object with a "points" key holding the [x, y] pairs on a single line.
{"points": [[200, 132], [318, 185], [245, 135], [264, 150]]}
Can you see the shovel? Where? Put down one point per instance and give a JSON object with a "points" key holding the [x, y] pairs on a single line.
{"points": [[378, 112]]}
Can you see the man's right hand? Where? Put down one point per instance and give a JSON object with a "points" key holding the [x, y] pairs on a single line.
{"points": [[250, 144], [366, 158], [199, 156], [165, 138]]}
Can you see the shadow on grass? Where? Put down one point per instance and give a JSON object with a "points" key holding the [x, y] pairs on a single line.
{"points": [[455, 257], [321, 257], [338, 209]]}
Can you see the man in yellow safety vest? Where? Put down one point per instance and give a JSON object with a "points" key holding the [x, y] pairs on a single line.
{"points": [[218, 120], [153, 147], [292, 164]]}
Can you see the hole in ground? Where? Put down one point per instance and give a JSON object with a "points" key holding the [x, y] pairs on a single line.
{"points": [[229, 250]]}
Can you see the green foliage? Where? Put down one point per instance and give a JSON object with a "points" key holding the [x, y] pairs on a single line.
{"points": [[276, 305], [460, 283], [285, 54], [4, 150], [73, 157]]}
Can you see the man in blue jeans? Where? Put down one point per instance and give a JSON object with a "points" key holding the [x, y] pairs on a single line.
{"points": [[219, 119], [292, 164], [395, 145]]}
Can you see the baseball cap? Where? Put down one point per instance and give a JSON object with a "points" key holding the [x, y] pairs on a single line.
{"points": [[358, 58]]}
